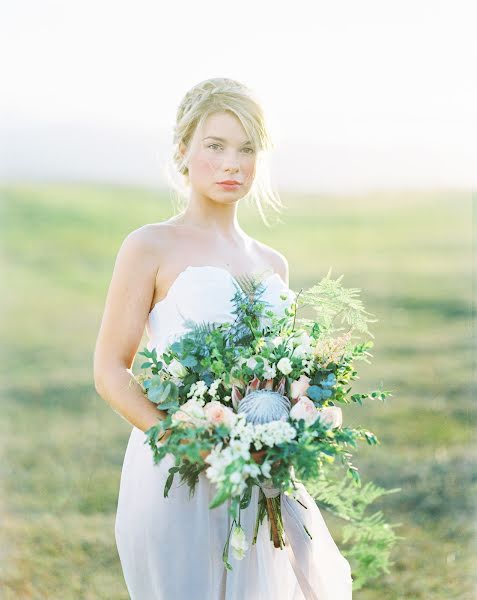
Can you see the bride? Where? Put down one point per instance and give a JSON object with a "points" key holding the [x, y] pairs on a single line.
{"points": [[165, 274]]}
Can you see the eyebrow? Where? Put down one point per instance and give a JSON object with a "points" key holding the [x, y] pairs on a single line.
{"points": [[213, 137]]}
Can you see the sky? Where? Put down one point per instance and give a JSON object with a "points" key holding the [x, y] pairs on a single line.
{"points": [[358, 95]]}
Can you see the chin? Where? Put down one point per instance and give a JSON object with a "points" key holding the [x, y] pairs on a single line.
{"points": [[233, 200], [228, 197]]}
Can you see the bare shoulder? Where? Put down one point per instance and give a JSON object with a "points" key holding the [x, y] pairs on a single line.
{"points": [[153, 241], [274, 258], [130, 295], [149, 237]]}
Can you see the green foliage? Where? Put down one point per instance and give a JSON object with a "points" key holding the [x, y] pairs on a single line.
{"points": [[330, 300], [367, 539], [163, 393]]}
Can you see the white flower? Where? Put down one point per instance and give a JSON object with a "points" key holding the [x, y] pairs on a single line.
{"points": [[284, 365], [238, 543], [331, 416], [191, 412], [240, 447], [276, 341], [258, 444], [307, 364], [213, 388], [242, 429], [251, 363], [252, 470], [302, 350], [235, 477], [269, 372], [301, 337], [215, 473], [265, 467], [275, 432], [198, 390], [304, 409], [176, 368]]}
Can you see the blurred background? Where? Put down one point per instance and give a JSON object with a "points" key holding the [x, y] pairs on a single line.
{"points": [[372, 109]]}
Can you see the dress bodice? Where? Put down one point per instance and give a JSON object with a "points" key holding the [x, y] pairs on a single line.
{"points": [[204, 294]]}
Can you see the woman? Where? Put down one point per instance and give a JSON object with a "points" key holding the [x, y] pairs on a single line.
{"points": [[166, 273]]}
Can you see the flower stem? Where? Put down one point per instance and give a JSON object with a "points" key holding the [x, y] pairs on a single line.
{"points": [[276, 524]]}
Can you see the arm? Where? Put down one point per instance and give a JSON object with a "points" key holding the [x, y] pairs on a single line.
{"points": [[127, 306]]}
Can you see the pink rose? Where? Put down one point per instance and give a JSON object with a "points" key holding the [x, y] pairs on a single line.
{"points": [[331, 416], [304, 409], [299, 387], [218, 414]]}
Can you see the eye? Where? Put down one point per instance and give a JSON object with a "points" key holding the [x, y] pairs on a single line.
{"points": [[251, 150], [211, 145]]}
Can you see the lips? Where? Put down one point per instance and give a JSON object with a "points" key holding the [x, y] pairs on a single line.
{"points": [[230, 182]]}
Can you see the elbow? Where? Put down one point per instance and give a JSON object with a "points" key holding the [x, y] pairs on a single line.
{"points": [[99, 385], [104, 375], [99, 377]]}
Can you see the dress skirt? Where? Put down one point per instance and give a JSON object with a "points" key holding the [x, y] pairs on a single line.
{"points": [[171, 548]]}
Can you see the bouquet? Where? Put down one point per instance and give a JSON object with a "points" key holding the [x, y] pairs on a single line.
{"points": [[256, 402]]}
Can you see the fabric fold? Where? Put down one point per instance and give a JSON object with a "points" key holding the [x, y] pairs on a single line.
{"points": [[314, 556]]}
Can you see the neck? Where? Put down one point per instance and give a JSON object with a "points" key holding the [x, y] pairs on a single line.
{"points": [[214, 217]]}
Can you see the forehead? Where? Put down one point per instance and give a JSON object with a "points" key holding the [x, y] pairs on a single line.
{"points": [[225, 127]]}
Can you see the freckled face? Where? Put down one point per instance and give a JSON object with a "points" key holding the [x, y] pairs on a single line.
{"points": [[212, 160]]}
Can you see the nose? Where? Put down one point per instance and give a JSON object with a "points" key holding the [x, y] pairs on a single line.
{"points": [[230, 163]]}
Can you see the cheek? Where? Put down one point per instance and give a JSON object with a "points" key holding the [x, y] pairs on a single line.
{"points": [[204, 164], [248, 170]]}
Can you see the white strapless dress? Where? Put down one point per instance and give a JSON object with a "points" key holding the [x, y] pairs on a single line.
{"points": [[171, 548]]}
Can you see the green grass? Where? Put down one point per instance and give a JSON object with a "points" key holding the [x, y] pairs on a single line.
{"points": [[62, 451]]}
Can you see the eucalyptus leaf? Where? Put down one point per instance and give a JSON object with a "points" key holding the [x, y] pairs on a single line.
{"points": [[168, 484], [168, 404], [176, 346], [189, 361], [314, 392], [166, 390]]}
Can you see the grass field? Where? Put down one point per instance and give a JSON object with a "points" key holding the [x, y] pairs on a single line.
{"points": [[62, 446]]}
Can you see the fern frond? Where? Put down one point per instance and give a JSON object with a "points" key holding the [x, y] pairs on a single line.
{"points": [[370, 539], [330, 300]]}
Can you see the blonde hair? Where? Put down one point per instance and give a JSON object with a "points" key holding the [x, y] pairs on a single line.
{"points": [[215, 95]]}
